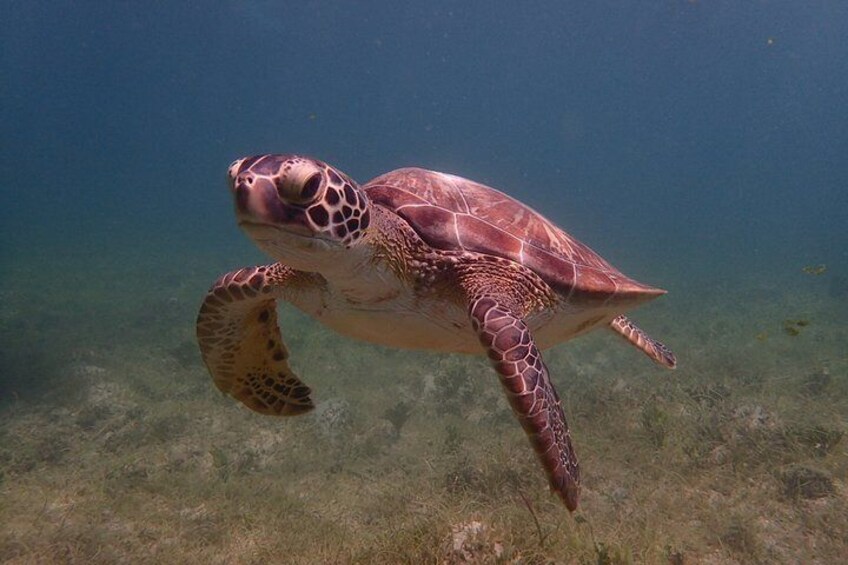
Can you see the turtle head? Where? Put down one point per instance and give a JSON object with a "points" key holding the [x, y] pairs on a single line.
{"points": [[298, 209]]}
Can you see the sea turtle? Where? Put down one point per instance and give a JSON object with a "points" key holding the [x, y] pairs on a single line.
{"points": [[412, 259]]}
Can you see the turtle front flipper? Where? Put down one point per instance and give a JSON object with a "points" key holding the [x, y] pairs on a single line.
{"points": [[659, 353], [241, 344], [530, 392]]}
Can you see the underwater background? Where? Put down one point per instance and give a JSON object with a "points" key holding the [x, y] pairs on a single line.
{"points": [[699, 146]]}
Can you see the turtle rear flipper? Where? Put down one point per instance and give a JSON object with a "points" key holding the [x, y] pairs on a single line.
{"points": [[659, 353], [241, 344]]}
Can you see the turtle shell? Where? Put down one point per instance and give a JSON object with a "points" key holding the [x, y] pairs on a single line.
{"points": [[455, 214]]}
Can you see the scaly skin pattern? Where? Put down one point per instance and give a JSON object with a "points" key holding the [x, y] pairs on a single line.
{"points": [[528, 388], [659, 353]]}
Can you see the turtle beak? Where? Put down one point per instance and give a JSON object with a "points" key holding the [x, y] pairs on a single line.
{"points": [[242, 193], [257, 206], [242, 198], [255, 199]]}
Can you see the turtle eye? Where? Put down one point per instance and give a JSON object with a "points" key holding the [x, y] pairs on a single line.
{"points": [[299, 188], [310, 187]]}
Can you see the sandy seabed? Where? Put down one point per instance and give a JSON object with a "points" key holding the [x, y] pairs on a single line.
{"points": [[116, 447]]}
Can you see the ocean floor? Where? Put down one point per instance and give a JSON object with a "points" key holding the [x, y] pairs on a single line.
{"points": [[116, 447]]}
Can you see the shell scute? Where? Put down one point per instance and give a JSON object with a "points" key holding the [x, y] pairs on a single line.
{"points": [[441, 232], [475, 234]]}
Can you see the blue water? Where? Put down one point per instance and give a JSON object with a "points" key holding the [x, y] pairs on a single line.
{"points": [[700, 146], [707, 130]]}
